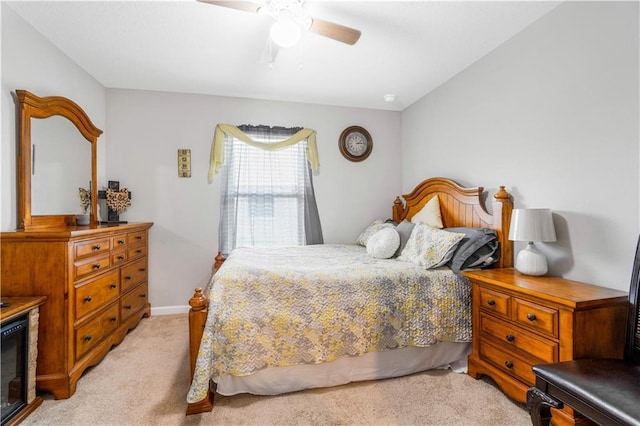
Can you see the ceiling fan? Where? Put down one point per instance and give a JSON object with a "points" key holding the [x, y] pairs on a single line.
{"points": [[289, 23]]}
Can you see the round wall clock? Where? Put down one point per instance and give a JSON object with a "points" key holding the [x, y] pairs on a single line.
{"points": [[355, 143]]}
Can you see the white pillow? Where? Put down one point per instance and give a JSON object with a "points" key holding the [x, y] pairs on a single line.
{"points": [[384, 243], [372, 229], [430, 214], [430, 247]]}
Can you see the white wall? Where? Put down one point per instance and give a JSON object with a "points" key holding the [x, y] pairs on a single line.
{"points": [[553, 115], [31, 62], [147, 128]]}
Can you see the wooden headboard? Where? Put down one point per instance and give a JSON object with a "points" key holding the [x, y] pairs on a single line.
{"points": [[461, 207]]}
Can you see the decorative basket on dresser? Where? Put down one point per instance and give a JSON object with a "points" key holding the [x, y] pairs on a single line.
{"points": [[520, 321], [95, 280]]}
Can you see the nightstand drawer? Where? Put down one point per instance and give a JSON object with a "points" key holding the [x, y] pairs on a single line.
{"points": [[536, 317], [508, 362], [495, 302], [508, 334]]}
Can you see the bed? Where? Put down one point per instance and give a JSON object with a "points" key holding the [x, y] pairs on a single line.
{"points": [[250, 333]]}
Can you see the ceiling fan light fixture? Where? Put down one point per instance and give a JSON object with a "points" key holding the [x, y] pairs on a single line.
{"points": [[285, 33]]}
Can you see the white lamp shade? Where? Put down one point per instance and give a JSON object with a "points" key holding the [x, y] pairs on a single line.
{"points": [[532, 225]]}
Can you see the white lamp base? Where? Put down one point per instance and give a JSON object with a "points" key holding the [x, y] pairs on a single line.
{"points": [[530, 261]]}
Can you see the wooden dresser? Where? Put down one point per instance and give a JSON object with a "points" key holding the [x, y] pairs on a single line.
{"points": [[95, 280], [520, 321]]}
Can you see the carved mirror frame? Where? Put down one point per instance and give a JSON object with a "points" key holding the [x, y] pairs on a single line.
{"points": [[31, 106]]}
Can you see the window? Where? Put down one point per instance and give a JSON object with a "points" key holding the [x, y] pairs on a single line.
{"points": [[267, 195]]}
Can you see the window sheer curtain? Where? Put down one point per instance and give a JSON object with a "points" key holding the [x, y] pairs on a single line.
{"points": [[267, 196]]}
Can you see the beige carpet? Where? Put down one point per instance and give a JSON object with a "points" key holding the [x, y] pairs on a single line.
{"points": [[144, 380]]}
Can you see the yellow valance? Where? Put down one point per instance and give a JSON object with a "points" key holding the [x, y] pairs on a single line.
{"points": [[217, 148]]}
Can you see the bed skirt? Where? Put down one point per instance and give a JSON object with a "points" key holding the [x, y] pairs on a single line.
{"points": [[371, 366]]}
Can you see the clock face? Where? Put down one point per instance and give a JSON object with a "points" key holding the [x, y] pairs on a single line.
{"points": [[355, 143]]}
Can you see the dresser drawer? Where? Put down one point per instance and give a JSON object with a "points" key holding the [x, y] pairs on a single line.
{"points": [[92, 333], [94, 294], [135, 252], [90, 248], [86, 267], [493, 301], [119, 241], [133, 274], [536, 317], [508, 362], [118, 257], [135, 238], [515, 337], [133, 301]]}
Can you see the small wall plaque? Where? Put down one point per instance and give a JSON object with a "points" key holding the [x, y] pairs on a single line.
{"points": [[184, 163]]}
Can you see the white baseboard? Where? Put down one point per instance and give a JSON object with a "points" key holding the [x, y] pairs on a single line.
{"points": [[170, 310]]}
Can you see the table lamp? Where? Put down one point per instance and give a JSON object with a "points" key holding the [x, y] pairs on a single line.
{"points": [[531, 225]]}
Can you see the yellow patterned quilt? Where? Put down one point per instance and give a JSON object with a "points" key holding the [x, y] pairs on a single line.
{"points": [[313, 304]]}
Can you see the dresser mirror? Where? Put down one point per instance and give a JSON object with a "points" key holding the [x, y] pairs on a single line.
{"points": [[57, 156], [56, 145]]}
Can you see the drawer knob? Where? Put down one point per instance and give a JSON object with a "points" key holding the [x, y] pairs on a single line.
{"points": [[127, 277], [138, 237], [88, 299], [508, 364], [127, 306], [121, 257], [96, 266], [143, 294], [113, 285], [531, 317], [142, 269], [113, 319], [87, 338], [510, 337], [491, 302], [138, 251], [96, 247], [120, 242]]}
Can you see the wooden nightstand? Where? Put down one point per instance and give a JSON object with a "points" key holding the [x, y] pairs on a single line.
{"points": [[521, 320]]}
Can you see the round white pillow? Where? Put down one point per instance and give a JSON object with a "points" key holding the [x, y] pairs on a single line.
{"points": [[384, 243]]}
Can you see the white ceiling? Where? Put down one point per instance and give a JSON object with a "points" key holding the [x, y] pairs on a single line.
{"points": [[407, 48]]}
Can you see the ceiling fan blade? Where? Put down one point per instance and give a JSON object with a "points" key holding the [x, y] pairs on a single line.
{"points": [[335, 31], [245, 6], [269, 52]]}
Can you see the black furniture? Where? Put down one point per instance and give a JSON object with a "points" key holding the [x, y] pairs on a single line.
{"points": [[607, 391]]}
